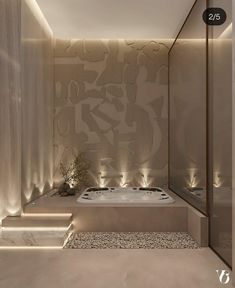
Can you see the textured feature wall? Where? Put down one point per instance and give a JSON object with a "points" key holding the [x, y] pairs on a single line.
{"points": [[111, 101]]}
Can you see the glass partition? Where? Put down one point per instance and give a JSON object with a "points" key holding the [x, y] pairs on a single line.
{"points": [[188, 110], [200, 121], [220, 149]]}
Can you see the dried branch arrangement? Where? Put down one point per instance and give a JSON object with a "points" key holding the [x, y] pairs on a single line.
{"points": [[76, 172]]}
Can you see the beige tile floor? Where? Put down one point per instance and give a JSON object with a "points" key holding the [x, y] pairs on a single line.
{"points": [[159, 268]]}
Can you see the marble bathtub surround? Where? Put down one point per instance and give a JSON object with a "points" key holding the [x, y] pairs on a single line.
{"points": [[111, 101], [130, 240]]}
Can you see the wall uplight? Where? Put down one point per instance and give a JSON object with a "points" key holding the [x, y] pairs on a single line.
{"points": [[144, 180], [193, 179], [217, 180]]}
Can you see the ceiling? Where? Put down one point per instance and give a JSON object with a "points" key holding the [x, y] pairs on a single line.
{"points": [[115, 19]]}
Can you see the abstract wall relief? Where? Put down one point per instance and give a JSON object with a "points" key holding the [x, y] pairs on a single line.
{"points": [[111, 101]]}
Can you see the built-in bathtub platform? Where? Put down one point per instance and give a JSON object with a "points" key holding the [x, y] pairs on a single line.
{"points": [[172, 217]]}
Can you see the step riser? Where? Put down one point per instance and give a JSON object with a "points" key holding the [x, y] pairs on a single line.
{"points": [[36, 222], [32, 239]]}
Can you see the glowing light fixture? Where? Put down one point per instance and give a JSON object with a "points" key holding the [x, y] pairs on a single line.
{"points": [[46, 214], [54, 229], [193, 180], [41, 188], [123, 180], [144, 180], [217, 180], [67, 239], [102, 182], [38, 14], [13, 211], [30, 247]]}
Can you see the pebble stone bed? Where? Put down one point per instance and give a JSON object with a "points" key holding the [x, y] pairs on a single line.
{"points": [[130, 240]]}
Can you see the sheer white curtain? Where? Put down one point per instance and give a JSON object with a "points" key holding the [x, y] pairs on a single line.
{"points": [[26, 103], [10, 108], [37, 102]]}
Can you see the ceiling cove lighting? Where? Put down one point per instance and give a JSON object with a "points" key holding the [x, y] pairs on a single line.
{"points": [[227, 32], [38, 13]]}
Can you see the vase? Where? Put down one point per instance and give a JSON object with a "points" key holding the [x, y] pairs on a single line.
{"points": [[64, 189]]}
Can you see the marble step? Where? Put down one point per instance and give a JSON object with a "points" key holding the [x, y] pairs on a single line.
{"points": [[32, 239], [49, 222]]}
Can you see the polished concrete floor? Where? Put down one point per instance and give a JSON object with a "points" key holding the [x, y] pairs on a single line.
{"points": [[117, 268]]}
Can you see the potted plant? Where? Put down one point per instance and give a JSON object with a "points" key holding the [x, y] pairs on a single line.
{"points": [[75, 174]]}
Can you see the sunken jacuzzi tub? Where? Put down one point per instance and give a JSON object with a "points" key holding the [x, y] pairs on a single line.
{"points": [[120, 195], [129, 209]]}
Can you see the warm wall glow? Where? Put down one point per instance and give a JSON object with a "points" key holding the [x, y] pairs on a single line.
{"points": [[124, 179], [13, 211], [193, 178], [144, 179], [217, 180], [102, 180]]}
